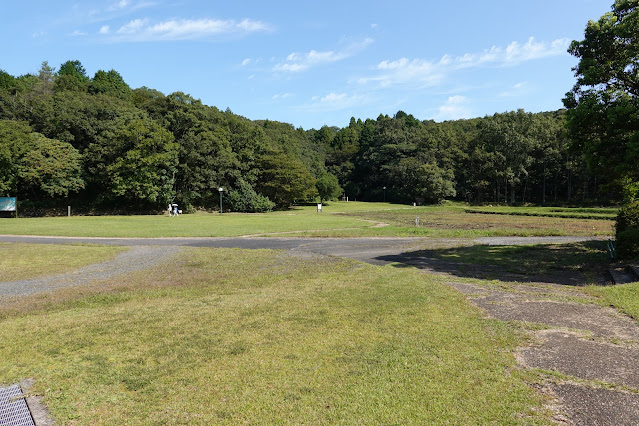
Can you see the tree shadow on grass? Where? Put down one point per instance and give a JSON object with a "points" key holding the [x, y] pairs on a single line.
{"points": [[567, 264]]}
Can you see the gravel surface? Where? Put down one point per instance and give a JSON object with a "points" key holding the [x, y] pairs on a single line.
{"points": [[135, 259]]}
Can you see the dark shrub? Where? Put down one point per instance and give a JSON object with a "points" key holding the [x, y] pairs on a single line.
{"points": [[628, 232], [245, 199], [628, 244]]}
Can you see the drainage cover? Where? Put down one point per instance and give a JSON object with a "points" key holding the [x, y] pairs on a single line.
{"points": [[13, 408]]}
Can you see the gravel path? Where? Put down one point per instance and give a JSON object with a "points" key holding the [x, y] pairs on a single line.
{"points": [[135, 259]]}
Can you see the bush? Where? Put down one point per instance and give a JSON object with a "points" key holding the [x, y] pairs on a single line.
{"points": [[628, 217], [628, 232], [245, 199]]}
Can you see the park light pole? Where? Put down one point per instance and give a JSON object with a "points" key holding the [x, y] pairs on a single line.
{"points": [[384, 188], [221, 191]]}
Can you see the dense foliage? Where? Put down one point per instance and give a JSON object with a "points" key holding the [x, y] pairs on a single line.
{"points": [[603, 106], [628, 231], [603, 109], [66, 137]]}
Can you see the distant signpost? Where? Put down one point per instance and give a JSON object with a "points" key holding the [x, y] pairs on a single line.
{"points": [[9, 204]]}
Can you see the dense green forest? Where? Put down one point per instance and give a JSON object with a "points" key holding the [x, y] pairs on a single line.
{"points": [[67, 138]]}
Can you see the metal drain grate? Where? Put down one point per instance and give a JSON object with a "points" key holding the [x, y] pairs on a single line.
{"points": [[14, 412]]}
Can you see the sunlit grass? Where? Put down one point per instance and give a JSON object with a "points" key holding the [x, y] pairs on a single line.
{"points": [[20, 261], [338, 219], [231, 336], [624, 297]]}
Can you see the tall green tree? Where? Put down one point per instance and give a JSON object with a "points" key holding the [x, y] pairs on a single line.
{"points": [[15, 139], [71, 76], [110, 83], [328, 187], [284, 179], [143, 175], [603, 105], [50, 167]]}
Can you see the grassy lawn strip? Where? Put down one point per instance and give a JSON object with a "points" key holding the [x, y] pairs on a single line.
{"points": [[624, 297], [451, 220], [339, 219], [193, 225], [231, 336], [577, 213], [22, 261]]}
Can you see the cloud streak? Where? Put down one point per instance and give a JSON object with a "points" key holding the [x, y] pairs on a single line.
{"points": [[298, 62], [427, 73], [186, 29], [334, 101]]}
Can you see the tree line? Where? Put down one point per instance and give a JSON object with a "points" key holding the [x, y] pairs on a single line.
{"points": [[66, 137]]}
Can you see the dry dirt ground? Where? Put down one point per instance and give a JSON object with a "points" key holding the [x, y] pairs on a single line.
{"points": [[587, 353]]}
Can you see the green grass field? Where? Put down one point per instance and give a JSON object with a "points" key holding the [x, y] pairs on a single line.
{"points": [[268, 339], [624, 297], [232, 336], [338, 219]]}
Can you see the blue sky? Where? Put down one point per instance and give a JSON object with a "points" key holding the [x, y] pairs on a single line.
{"points": [[315, 63]]}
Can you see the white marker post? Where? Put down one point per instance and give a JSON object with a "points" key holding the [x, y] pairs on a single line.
{"points": [[319, 207]]}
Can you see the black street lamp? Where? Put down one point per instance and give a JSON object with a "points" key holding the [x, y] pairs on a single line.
{"points": [[384, 188], [221, 191]]}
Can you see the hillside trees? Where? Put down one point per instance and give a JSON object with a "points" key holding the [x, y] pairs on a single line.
{"points": [[138, 149]]}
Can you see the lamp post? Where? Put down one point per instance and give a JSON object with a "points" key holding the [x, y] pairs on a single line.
{"points": [[384, 188], [221, 191]]}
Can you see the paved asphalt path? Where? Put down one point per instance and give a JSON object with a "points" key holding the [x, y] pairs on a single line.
{"points": [[371, 250]]}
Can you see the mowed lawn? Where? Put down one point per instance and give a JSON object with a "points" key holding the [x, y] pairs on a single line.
{"points": [[262, 337], [338, 219], [191, 225], [20, 261]]}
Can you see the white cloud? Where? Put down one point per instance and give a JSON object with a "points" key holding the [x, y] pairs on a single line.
{"points": [[78, 33], [454, 108], [246, 61], [404, 71], [515, 90], [279, 96], [428, 73], [128, 5], [133, 27], [296, 62], [185, 29], [335, 101], [104, 29]]}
